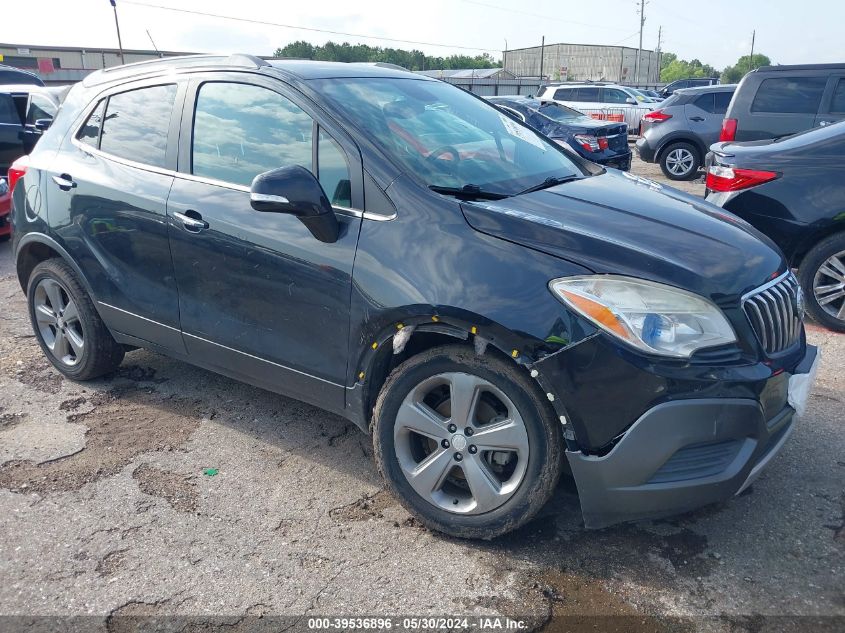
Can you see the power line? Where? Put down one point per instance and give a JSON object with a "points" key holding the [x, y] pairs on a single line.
{"points": [[304, 28]]}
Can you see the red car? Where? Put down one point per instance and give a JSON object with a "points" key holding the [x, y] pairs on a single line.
{"points": [[5, 209]]}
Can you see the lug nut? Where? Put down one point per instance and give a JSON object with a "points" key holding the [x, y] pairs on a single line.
{"points": [[458, 457], [445, 444], [473, 449], [452, 428], [468, 431]]}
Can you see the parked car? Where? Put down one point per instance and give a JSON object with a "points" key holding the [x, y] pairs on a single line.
{"points": [[606, 101], [484, 308], [643, 97], [692, 82], [5, 211], [774, 101], [25, 112], [653, 94], [10, 75], [678, 134], [791, 189], [602, 142]]}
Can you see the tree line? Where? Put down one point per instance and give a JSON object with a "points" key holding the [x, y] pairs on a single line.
{"points": [[672, 68], [412, 60]]}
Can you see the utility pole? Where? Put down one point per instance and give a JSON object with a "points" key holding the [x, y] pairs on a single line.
{"points": [[505, 56], [659, 52], [542, 56], [640, 49], [751, 57], [152, 41], [117, 26]]}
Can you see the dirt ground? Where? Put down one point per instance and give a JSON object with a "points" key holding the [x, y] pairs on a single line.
{"points": [[165, 490]]}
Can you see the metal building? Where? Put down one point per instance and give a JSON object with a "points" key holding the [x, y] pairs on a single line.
{"points": [[581, 62], [65, 64]]}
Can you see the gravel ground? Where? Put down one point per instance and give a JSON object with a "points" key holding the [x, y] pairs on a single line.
{"points": [[108, 509]]}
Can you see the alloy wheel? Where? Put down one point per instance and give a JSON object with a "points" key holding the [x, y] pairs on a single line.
{"points": [[679, 161], [58, 322], [461, 443], [829, 285]]}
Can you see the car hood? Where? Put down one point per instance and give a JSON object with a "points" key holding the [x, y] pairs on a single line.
{"points": [[623, 224]]}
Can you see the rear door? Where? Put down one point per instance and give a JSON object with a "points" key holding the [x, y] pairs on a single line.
{"points": [[833, 102], [11, 126], [704, 115], [106, 197], [784, 103], [261, 298]]}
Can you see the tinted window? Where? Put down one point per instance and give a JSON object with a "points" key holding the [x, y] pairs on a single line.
{"points": [[136, 124], [705, 102], [241, 131], [8, 112], [333, 171], [40, 107], [587, 94], [797, 95], [723, 100], [90, 132], [611, 95], [564, 94], [837, 103]]}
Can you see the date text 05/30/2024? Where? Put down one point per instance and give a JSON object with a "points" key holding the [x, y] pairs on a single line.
{"points": [[483, 623]]}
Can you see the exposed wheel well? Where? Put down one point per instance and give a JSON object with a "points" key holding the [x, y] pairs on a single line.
{"points": [[386, 361], [30, 256], [658, 155]]}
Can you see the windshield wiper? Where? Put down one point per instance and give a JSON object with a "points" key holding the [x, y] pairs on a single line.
{"points": [[549, 182], [468, 192]]}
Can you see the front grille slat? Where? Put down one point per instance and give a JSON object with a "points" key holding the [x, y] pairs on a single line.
{"points": [[773, 313]]}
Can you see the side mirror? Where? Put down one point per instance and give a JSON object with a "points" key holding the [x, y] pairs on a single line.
{"points": [[296, 191], [43, 124], [631, 101]]}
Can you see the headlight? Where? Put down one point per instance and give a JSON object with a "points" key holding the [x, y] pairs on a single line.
{"points": [[652, 317]]}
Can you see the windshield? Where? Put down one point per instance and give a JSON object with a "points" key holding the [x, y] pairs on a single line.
{"points": [[558, 112], [445, 137]]}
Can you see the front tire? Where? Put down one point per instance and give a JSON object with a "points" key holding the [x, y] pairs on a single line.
{"points": [[822, 276], [66, 324], [680, 161], [466, 442]]}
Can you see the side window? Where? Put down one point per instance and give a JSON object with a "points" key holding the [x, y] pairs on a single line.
{"points": [[587, 94], [612, 95], [333, 171], [722, 101], [8, 112], [837, 102], [90, 132], [564, 94], [39, 108], [705, 102], [242, 130], [136, 124], [795, 95]]}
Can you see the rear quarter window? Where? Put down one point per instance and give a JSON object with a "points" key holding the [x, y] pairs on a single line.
{"points": [[8, 111], [791, 95]]}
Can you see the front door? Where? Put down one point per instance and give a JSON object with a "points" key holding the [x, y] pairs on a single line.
{"points": [[260, 298]]}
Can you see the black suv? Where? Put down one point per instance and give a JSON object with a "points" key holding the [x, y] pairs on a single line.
{"points": [[692, 82], [775, 101], [398, 251]]}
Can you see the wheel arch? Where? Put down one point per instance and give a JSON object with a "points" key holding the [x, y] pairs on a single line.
{"points": [[35, 248], [680, 138], [809, 242]]}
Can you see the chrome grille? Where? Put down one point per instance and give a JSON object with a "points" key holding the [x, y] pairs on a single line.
{"points": [[776, 312]]}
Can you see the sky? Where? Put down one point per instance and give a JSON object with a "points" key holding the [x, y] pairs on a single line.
{"points": [[716, 32]]}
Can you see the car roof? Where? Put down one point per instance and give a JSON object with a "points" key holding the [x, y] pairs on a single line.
{"points": [[703, 89], [25, 89], [299, 68], [769, 69]]}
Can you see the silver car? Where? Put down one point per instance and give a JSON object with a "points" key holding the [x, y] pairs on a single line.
{"points": [[606, 102]]}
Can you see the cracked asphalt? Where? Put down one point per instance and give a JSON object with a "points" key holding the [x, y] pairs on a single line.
{"points": [[166, 490]]}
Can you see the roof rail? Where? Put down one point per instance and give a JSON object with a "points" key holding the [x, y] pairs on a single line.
{"points": [[237, 60]]}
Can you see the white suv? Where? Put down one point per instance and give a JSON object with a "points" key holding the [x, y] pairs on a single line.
{"points": [[606, 101]]}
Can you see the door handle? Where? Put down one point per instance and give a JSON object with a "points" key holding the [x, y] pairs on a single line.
{"points": [[65, 182], [191, 220], [696, 118]]}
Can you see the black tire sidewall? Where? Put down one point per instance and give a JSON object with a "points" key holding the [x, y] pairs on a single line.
{"points": [[682, 145], [544, 461], [817, 256]]}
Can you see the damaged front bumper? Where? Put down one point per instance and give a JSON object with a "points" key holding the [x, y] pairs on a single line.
{"points": [[685, 452]]}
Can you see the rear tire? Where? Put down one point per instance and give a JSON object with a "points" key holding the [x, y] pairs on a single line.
{"points": [[485, 492], [680, 161], [67, 325], [822, 277]]}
